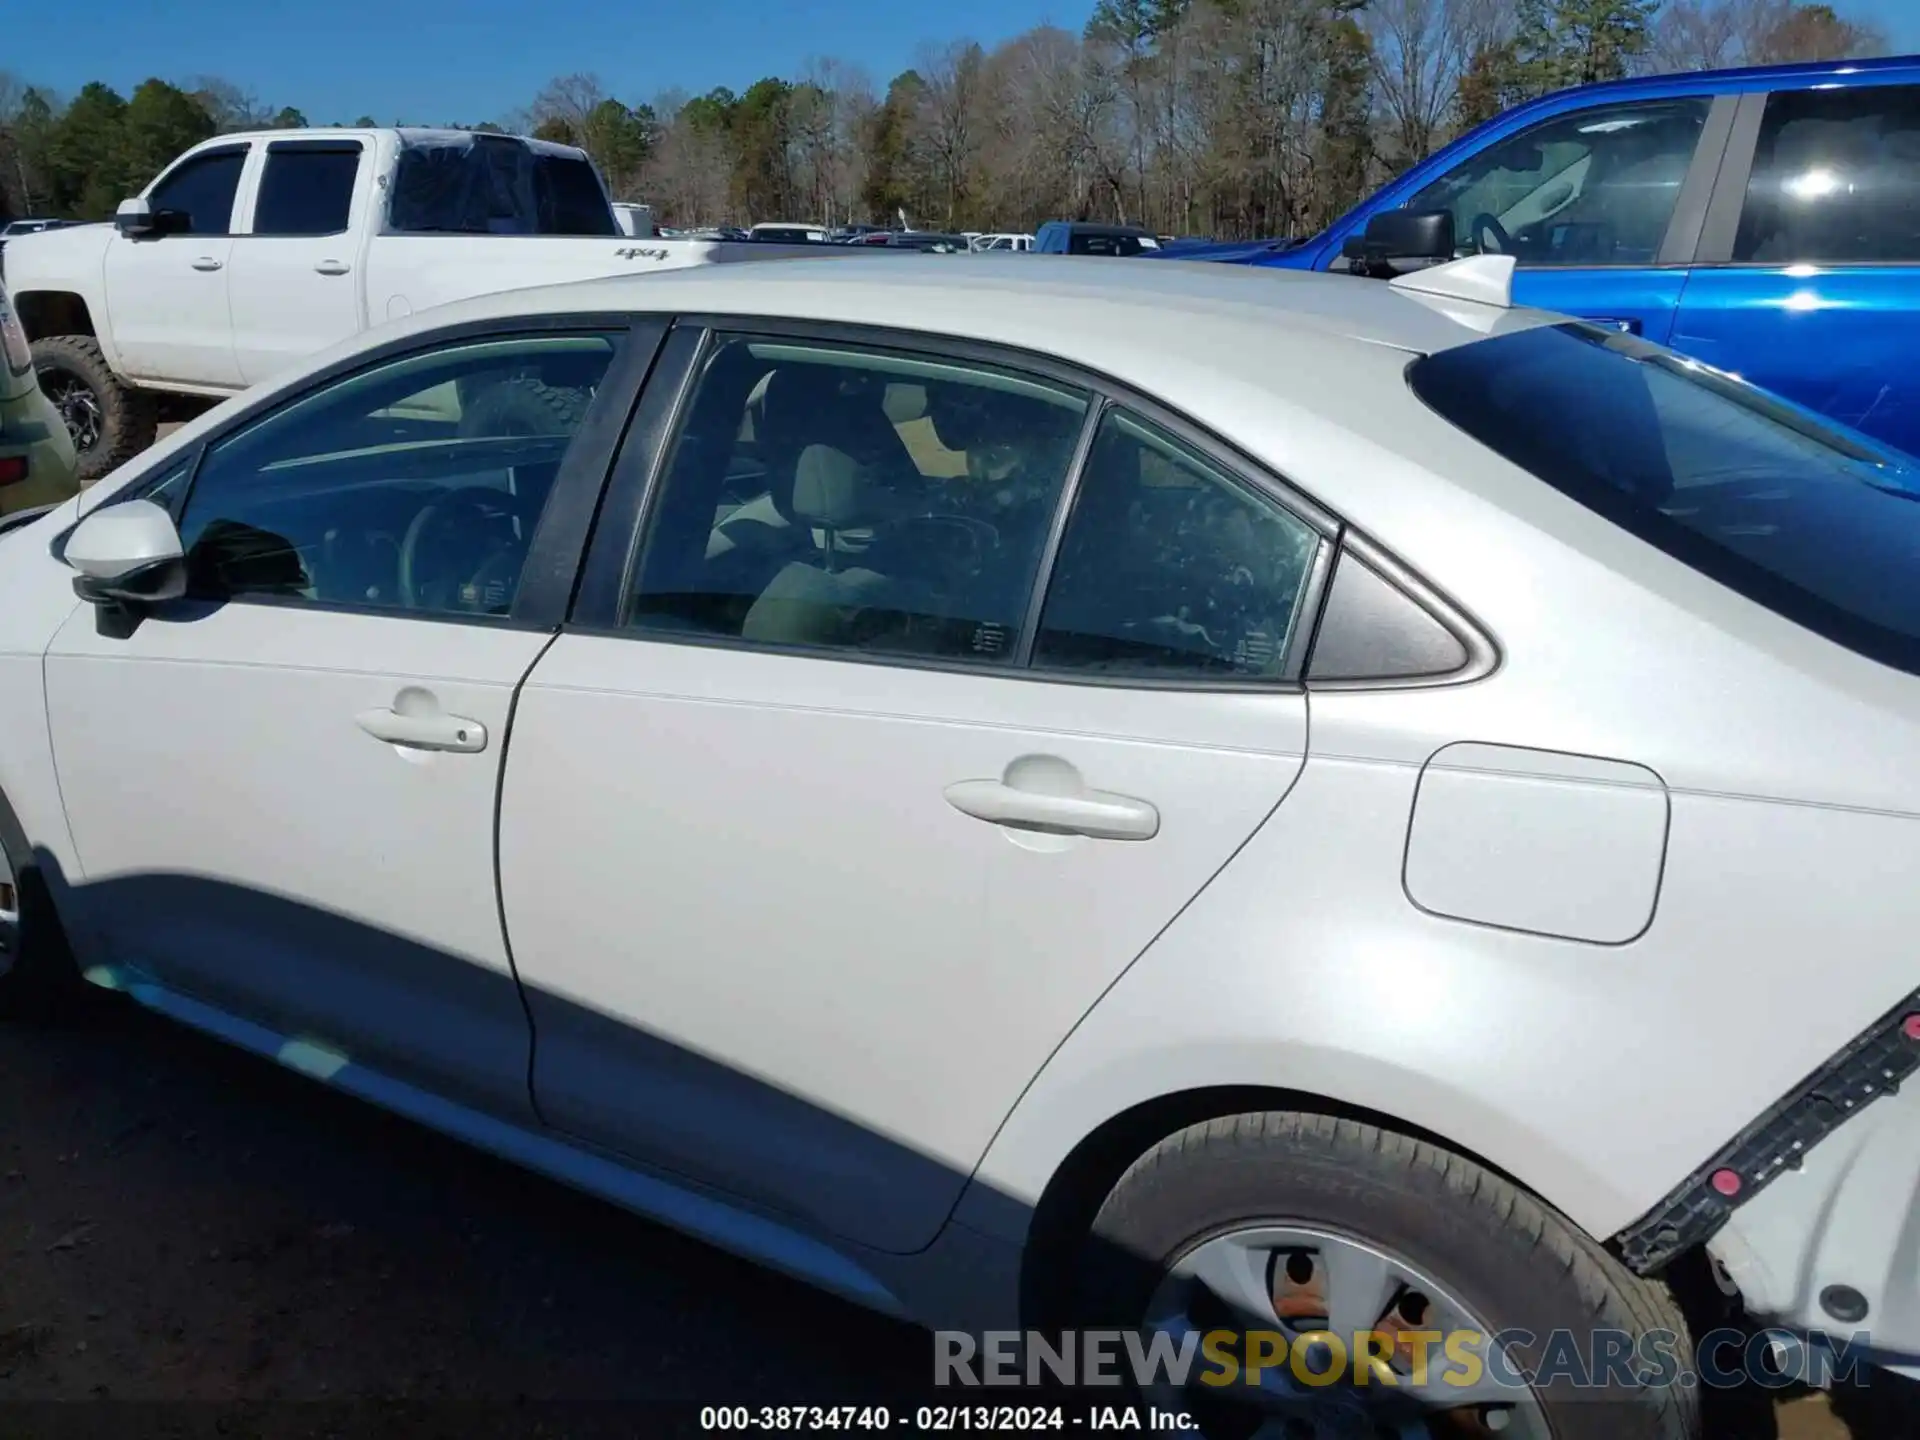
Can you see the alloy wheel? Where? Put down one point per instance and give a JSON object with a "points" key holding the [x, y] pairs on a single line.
{"points": [[1308, 1293], [79, 407]]}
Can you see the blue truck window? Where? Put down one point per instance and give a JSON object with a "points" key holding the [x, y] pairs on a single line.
{"points": [[1836, 179], [1595, 187]]}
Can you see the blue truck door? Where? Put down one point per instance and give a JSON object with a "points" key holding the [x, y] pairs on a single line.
{"points": [[1601, 206], [1808, 278]]}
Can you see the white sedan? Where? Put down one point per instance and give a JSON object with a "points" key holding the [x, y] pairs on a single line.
{"points": [[1163, 797]]}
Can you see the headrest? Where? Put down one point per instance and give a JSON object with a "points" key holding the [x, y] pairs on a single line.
{"points": [[830, 489]]}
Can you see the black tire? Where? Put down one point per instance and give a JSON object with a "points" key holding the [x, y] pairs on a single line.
{"points": [[125, 418], [1509, 1259], [40, 980], [523, 406]]}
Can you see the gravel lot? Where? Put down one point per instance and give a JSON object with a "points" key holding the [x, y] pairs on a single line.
{"points": [[196, 1242]]}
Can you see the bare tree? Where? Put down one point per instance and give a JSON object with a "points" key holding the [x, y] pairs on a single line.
{"points": [[1421, 48], [952, 119]]}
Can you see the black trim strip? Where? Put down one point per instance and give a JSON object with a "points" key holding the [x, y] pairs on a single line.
{"points": [[1873, 1064]]}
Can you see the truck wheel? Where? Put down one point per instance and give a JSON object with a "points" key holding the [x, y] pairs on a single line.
{"points": [[38, 978], [1294, 1232], [110, 421], [523, 406]]}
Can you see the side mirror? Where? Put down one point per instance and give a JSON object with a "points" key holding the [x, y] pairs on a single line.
{"points": [[128, 556], [1396, 236], [134, 217]]}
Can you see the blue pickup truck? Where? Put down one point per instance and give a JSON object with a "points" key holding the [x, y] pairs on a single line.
{"points": [[1764, 221]]}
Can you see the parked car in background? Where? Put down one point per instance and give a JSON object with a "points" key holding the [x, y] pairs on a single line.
{"points": [[783, 232], [36, 453], [930, 240], [252, 252], [850, 234], [1080, 237], [982, 614], [1763, 221], [1010, 240]]}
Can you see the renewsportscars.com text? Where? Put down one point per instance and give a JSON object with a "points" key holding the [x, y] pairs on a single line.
{"points": [[1463, 1360]]}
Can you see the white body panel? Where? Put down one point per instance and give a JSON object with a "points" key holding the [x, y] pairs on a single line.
{"points": [[750, 859], [166, 300], [173, 749]]}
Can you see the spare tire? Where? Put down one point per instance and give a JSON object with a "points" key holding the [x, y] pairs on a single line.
{"points": [[522, 405]]}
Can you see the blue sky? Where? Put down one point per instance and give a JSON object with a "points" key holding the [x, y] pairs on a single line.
{"points": [[435, 61]]}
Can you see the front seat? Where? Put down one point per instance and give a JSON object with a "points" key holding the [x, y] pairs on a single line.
{"points": [[828, 598]]}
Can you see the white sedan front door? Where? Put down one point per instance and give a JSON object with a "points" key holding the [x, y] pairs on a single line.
{"points": [[281, 789], [801, 925]]}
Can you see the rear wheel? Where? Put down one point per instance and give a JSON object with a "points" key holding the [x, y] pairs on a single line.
{"points": [[1304, 1241], [109, 420]]}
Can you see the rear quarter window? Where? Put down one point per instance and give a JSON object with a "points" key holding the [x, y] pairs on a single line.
{"points": [[1814, 522]]}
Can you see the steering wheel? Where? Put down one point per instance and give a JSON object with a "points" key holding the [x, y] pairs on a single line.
{"points": [[476, 517], [1486, 227]]}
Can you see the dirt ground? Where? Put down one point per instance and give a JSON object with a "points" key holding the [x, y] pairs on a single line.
{"points": [[194, 1241]]}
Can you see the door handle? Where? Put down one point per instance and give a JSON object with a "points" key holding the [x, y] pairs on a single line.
{"points": [[333, 267], [1626, 324], [424, 732], [206, 262], [1094, 813]]}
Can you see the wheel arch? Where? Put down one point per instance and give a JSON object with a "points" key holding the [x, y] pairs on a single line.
{"points": [[46, 313], [1073, 1194]]}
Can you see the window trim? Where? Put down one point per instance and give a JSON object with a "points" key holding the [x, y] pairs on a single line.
{"points": [[633, 494], [1484, 656], [1736, 173], [555, 553], [1679, 241], [305, 147], [244, 150]]}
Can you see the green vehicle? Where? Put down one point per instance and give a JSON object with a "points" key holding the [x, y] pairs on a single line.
{"points": [[36, 451]]}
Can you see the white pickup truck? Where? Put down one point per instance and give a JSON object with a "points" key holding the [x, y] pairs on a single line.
{"points": [[251, 252]]}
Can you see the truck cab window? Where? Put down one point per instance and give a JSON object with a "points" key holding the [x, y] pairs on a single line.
{"points": [[306, 190], [202, 189], [1595, 187], [1836, 179]]}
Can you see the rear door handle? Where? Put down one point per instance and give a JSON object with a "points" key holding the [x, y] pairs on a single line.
{"points": [[206, 262], [1094, 813], [424, 732], [333, 267]]}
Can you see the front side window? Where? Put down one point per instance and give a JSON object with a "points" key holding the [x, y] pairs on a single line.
{"points": [[200, 191], [413, 486], [306, 189], [1813, 522], [1836, 179], [1096, 243], [1171, 567], [857, 499], [1597, 187]]}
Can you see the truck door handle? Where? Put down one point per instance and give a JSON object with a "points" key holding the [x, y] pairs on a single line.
{"points": [[1626, 324], [424, 732], [206, 262], [1094, 813], [333, 267]]}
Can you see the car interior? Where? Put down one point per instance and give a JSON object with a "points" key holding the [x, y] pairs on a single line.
{"points": [[417, 487], [869, 501]]}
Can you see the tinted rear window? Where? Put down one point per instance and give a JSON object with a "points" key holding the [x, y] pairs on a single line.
{"points": [[1814, 522], [495, 185]]}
